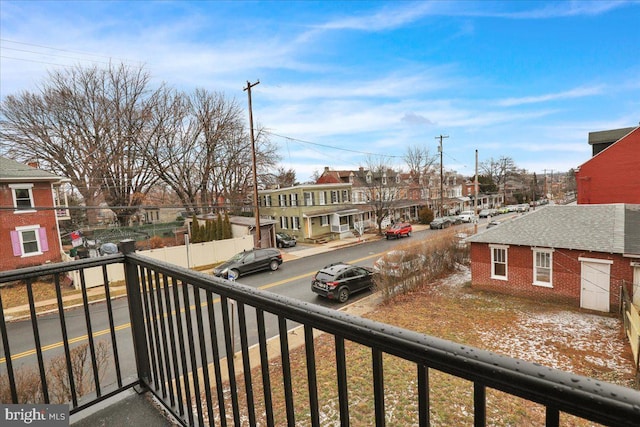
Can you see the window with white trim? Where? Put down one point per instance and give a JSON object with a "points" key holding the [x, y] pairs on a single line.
{"points": [[335, 196], [29, 240], [284, 222], [498, 261], [322, 198], [308, 199], [295, 223], [542, 267], [324, 220], [345, 195], [22, 197], [293, 198], [282, 199], [267, 200]]}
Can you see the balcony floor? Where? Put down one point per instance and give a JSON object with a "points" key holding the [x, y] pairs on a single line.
{"points": [[127, 409]]}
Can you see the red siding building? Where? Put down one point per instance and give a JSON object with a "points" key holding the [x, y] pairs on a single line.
{"points": [[612, 175], [581, 254], [28, 221]]}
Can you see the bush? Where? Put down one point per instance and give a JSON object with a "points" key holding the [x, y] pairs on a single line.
{"points": [[425, 215], [442, 256]]}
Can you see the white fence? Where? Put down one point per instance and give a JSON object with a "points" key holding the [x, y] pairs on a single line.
{"points": [[192, 256]]}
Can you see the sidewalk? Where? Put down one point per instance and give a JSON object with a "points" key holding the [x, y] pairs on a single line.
{"points": [[300, 251]]}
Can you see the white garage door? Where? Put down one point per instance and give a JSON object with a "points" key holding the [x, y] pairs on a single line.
{"points": [[595, 284]]}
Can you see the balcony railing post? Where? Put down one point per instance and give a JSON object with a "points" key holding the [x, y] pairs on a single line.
{"points": [[136, 313]]}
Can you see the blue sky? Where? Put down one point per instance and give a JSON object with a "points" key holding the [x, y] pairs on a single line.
{"points": [[340, 80]]}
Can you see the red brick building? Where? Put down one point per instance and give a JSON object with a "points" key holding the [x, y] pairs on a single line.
{"points": [[612, 175], [28, 221], [582, 254]]}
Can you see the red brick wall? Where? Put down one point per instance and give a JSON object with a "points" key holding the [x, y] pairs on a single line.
{"points": [[612, 176], [565, 274], [46, 218]]}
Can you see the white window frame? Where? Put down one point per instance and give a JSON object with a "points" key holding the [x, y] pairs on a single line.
{"points": [[495, 261], [324, 220], [284, 222], [295, 223], [335, 196], [536, 252], [29, 188], [345, 195], [308, 198], [293, 199], [267, 200], [322, 199], [21, 232], [282, 200]]}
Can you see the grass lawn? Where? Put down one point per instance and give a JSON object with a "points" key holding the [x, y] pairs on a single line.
{"points": [[548, 333]]}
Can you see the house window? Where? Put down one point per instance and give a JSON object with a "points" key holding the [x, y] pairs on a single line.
{"points": [[384, 180], [282, 199], [542, 262], [322, 198], [284, 222], [335, 198], [324, 220], [22, 196], [308, 199], [293, 198], [345, 195], [267, 200], [369, 178], [295, 223], [29, 241], [498, 262]]}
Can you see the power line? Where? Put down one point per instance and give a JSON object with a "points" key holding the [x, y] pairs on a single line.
{"points": [[53, 54], [330, 146]]}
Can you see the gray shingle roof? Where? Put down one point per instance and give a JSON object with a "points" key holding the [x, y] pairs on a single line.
{"points": [[610, 228], [10, 170]]}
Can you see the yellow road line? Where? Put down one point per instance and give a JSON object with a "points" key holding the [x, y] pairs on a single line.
{"points": [[128, 325]]}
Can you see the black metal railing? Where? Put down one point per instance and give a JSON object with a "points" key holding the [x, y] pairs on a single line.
{"points": [[221, 353]]}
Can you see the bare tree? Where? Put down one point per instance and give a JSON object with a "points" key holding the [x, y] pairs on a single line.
{"points": [[85, 124], [282, 178], [421, 164], [382, 188], [419, 160], [202, 150], [499, 171]]}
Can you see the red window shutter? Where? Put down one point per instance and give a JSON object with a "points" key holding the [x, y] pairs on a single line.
{"points": [[15, 243], [44, 244]]}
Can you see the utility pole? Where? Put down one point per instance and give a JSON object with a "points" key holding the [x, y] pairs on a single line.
{"points": [[441, 176], [258, 240], [475, 197]]}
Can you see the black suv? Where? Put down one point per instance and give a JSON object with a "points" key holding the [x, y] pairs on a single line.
{"points": [[283, 240], [338, 281], [249, 262]]}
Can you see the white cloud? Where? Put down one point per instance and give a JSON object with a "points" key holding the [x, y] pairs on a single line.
{"points": [[579, 92]]}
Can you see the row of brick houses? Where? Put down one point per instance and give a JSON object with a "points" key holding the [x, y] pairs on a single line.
{"points": [[583, 253], [341, 202]]}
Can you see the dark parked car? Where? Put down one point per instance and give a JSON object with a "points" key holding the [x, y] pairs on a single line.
{"points": [[454, 219], [440, 223], [398, 230], [338, 281], [283, 240], [249, 262]]}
